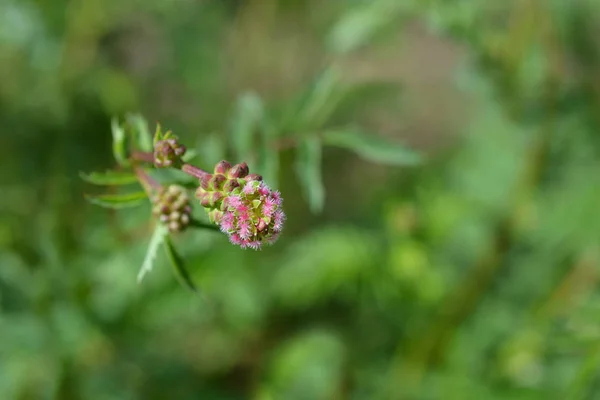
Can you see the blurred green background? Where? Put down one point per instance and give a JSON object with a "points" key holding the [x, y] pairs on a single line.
{"points": [[471, 276]]}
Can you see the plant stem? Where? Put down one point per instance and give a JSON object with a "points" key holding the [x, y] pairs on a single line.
{"points": [[143, 156], [150, 184], [189, 169], [193, 171]]}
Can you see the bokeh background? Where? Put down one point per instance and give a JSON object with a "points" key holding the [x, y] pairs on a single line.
{"points": [[473, 275]]}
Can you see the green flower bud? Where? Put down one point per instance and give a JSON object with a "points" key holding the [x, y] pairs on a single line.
{"points": [[215, 216]]}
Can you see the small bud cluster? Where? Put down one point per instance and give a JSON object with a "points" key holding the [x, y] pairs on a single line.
{"points": [[244, 207], [172, 208], [167, 152]]}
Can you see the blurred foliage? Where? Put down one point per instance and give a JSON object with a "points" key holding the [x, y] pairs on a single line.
{"points": [[473, 276]]}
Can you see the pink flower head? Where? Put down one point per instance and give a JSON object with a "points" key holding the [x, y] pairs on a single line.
{"points": [[252, 215]]}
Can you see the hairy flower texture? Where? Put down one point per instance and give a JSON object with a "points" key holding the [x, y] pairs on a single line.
{"points": [[253, 216], [172, 208], [243, 206]]}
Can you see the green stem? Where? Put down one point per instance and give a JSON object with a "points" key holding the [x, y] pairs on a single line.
{"points": [[194, 223]]}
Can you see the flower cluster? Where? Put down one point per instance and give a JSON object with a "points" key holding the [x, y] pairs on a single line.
{"points": [[167, 152], [172, 207], [243, 206]]}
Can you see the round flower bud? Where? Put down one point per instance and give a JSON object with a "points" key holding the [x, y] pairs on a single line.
{"points": [[217, 182], [230, 185], [168, 152], [172, 207], [205, 181], [222, 167], [238, 171]]}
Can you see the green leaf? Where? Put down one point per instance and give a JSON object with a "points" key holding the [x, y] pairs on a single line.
{"points": [[178, 266], [109, 178], [371, 147], [362, 24], [141, 131], [308, 170], [161, 233], [189, 155], [159, 135], [119, 148], [365, 97], [320, 102], [248, 115], [117, 201]]}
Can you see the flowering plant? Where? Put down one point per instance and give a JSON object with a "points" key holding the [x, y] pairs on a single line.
{"points": [[238, 203]]}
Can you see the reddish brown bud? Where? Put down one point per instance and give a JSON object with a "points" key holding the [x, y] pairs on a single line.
{"points": [[205, 201], [239, 170], [253, 177], [167, 152], [222, 167], [205, 181], [230, 185], [217, 181], [215, 198]]}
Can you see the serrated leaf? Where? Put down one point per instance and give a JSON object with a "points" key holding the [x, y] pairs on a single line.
{"points": [[249, 113], [161, 232], [371, 147], [109, 178], [362, 24], [178, 266], [142, 133], [321, 101], [119, 145], [308, 170], [117, 201]]}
